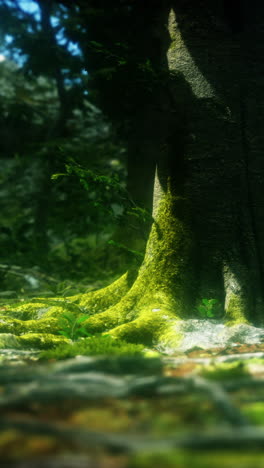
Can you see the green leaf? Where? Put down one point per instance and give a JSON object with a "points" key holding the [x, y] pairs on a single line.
{"points": [[214, 301], [56, 176], [64, 333], [205, 301], [82, 318], [210, 313], [69, 317], [83, 332]]}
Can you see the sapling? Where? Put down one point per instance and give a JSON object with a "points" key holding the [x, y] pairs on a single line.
{"points": [[72, 326], [208, 308]]}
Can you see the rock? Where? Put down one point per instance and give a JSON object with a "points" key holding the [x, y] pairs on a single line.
{"points": [[207, 334], [8, 340]]}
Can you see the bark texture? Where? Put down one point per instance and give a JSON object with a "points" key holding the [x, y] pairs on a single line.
{"points": [[205, 241], [217, 49]]}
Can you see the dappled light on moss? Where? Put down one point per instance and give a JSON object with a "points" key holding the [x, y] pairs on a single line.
{"points": [[40, 340], [236, 310]]}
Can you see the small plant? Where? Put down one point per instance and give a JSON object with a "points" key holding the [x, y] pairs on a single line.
{"points": [[72, 326], [208, 308]]}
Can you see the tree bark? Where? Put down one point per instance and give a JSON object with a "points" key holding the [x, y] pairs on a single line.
{"points": [[204, 133], [218, 54]]}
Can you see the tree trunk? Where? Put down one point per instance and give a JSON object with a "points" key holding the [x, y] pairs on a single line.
{"points": [[204, 131], [217, 48], [205, 238]]}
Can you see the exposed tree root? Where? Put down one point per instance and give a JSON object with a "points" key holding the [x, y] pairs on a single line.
{"points": [[139, 307], [107, 297], [143, 315]]}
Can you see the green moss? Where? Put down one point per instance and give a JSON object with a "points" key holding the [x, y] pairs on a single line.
{"points": [[160, 290], [175, 35], [93, 302], [17, 327], [57, 310], [30, 310], [141, 310], [104, 321], [142, 330], [99, 301], [236, 311], [41, 340], [225, 370], [167, 263], [169, 339], [254, 412], [98, 345], [10, 325], [152, 326], [143, 313], [50, 307]]}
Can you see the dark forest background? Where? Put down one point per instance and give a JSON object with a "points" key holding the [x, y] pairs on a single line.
{"points": [[67, 216]]}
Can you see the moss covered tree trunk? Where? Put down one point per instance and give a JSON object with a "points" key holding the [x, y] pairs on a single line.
{"points": [[204, 130], [217, 48], [205, 114], [161, 292], [210, 170]]}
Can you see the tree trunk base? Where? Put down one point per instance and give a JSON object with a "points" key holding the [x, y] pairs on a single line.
{"points": [[144, 313]]}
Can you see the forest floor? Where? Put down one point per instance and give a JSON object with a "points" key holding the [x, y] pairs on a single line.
{"points": [[199, 409]]}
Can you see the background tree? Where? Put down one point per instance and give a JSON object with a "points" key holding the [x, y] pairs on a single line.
{"points": [[55, 224]]}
